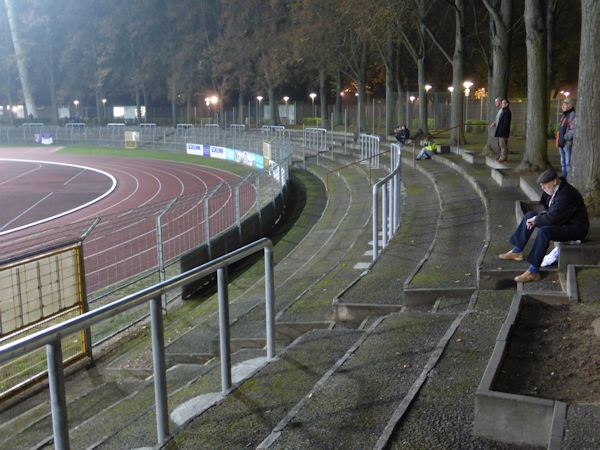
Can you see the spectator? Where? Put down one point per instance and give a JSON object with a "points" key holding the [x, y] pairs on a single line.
{"points": [[402, 134], [503, 130], [564, 135], [428, 147], [564, 218]]}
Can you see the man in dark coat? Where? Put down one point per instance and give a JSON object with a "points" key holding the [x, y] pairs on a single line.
{"points": [[564, 218], [503, 131]]}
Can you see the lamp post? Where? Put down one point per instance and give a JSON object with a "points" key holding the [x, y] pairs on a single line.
{"points": [[260, 99], [76, 103], [312, 96], [286, 99], [480, 94], [104, 109], [427, 89], [213, 99], [467, 85]]}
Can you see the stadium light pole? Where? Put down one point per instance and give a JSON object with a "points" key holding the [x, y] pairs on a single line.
{"points": [[260, 99], [427, 89], [312, 96], [104, 109], [467, 85], [76, 103], [286, 99], [214, 100]]}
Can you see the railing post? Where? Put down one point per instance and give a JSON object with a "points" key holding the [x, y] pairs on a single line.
{"points": [[207, 225], [238, 214], [224, 346], [160, 370], [58, 402], [390, 207], [384, 215], [375, 219], [269, 302]]}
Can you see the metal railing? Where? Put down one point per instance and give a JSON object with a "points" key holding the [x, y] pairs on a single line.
{"points": [[390, 201], [51, 337]]}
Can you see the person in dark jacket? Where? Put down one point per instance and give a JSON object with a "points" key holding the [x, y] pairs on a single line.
{"points": [[402, 134], [564, 139], [564, 218], [503, 131]]}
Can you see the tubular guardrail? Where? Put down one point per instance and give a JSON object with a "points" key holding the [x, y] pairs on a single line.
{"points": [[390, 204], [51, 337]]}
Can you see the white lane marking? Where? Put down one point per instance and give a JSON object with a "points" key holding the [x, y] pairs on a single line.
{"points": [[26, 211], [64, 213], [74, 176], [22, 174]]}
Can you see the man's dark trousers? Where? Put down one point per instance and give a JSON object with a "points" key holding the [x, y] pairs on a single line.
{"points": [[558, 233]]}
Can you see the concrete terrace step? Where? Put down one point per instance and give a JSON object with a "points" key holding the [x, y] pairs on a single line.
{"points": [[441, 415], [252, 410], [131, 422], [336, 267], [382, 286], [34, 427], [451, 262], [493, 273], [352, 407]]}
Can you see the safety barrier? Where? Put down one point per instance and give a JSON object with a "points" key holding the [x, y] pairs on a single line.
{"points": [[390, 202], [51, 338]]}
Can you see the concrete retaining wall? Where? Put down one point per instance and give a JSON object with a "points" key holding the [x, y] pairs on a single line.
{"points": [[253, 227]]}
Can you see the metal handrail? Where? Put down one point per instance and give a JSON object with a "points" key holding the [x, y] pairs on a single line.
{"points": [[51, 337], [390, 206]]}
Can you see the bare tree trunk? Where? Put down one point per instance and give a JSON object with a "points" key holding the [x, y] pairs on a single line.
{"points": [[323, 96], [241, 103], [536, 154], [338, 98], [20, 57], [456, 112], [389, 89], [361, 80], [422, 93], [551, 15], [586, 158], [500, 16]]}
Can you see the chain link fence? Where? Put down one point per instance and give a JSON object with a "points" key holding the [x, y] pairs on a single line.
{"points": [[130, 250]]}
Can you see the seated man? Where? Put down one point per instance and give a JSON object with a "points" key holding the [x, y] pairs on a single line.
{"points": [[564, 218]]}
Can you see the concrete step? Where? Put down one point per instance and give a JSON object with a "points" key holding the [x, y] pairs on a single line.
{"points": [[451, 261], [34, 427], [380, 288], [255, 407], [131, 422], [351, 408], [442, 414]]}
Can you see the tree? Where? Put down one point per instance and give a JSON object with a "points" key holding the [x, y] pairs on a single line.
{"points": [[415, 43], [20, 56], [457, 61], [586, 158], [312, 28], [500, 12], [536, 153]]}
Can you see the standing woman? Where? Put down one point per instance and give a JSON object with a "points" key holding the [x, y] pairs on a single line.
{"points": [[564, 136]]}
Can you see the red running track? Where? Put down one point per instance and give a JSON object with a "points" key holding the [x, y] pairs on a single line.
{"points": [[124, 243]]}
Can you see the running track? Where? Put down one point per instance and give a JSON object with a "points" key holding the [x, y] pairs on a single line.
{"points": [[24, 185]]}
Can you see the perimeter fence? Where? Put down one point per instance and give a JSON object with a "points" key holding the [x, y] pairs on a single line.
{"points": [[130, 250]]}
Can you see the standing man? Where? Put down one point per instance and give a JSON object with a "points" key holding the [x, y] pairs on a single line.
{"points": [[503, 130], [564, 218], [497, 102], [564, 137]]}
